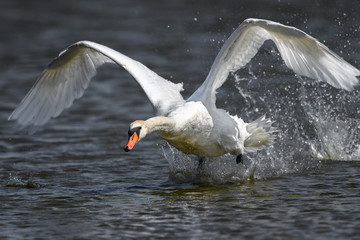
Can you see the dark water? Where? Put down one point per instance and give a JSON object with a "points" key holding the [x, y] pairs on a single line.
{"points": [[72, 180]]}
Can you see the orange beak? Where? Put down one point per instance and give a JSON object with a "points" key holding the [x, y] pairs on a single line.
{"points": [[131, 143]]}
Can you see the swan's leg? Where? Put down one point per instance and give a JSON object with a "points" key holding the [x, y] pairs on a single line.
{"points": [[239, 159], [201, 162]]}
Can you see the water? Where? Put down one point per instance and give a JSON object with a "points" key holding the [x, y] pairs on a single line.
{"points": [[72, 180]]}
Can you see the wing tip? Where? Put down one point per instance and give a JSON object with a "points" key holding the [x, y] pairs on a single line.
{"points": [[10, 118]]}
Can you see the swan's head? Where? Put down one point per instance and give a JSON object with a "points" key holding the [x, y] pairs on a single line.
{"points": [[137, 131]]}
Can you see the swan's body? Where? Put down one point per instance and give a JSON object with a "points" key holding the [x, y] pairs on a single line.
{"points": [[195, 125]]}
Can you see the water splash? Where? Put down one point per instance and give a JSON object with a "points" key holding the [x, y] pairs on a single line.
{"points": [[15, 181], [219, 170], [314, 120], [337, 133], [315, 123]]}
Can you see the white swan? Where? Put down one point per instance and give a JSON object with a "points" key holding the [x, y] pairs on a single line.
{"points": [[194, 126]]}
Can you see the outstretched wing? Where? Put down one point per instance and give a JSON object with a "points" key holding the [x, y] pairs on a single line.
{"points": [[301, 52], [66, 78]]}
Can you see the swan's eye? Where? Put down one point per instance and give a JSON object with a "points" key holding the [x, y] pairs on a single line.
{"points": [[133, 130]]}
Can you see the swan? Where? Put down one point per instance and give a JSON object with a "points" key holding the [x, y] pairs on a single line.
{"points": [[194, 126]]}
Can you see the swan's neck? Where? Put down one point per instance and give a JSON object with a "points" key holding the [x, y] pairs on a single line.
{"points": [[160, 123]]}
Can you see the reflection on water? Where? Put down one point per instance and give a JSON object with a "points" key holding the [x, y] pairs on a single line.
{"points": [[73, 180]]}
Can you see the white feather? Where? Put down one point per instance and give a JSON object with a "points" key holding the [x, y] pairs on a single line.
{"points": [[195, 126], [66, 78], [301, 52]]}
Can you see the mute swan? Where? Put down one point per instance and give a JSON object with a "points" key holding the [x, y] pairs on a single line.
{"points": [[194, 126]]}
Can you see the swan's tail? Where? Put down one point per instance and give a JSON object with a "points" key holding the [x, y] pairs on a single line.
{"points": [[261, 134]]}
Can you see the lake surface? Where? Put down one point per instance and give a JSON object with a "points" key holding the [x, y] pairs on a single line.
{"points": [[72, 179]]}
